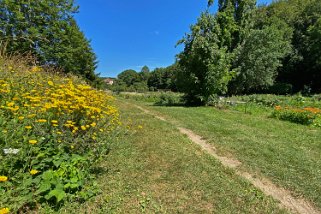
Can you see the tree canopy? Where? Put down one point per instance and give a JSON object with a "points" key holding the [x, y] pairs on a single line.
{"points": [[47, 30], [245, 48]]}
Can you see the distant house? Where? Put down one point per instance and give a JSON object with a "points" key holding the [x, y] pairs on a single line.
{"points": [[109, 81]]}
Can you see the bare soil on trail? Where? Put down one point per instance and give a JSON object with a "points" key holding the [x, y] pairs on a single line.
{"points": [[285, 198]]}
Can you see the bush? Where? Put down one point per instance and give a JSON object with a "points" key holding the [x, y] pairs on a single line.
{"points": [[53, 131], [169, 99], [264, 100]]}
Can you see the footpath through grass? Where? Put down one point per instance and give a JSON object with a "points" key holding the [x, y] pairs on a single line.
{"points": [[285, 152], [158, 170]]}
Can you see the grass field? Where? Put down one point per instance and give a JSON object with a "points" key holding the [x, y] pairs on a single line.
{"points": [[287, 153], [159, 170]]}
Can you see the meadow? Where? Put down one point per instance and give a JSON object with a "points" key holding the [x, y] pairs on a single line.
{"points": [[69, 148], [163, 140], [156, 169], [284, 149]]}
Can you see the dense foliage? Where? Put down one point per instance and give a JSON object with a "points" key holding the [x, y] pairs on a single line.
{"points": [[244, 48], [54, 129], [48, 31], [146, 80], [205, 64]]}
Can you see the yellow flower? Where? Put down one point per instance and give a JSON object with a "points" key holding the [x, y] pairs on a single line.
{"points": [[21, 118], [4, 210], [28, 127], [54, 121], [10, 104], [83, 128], [50, 83], [31, 115], [35, 69], [41, 121], [34, 171], [59, 133], [278, 108], [3, 178], [93, 124], [33, 142], [140, 127]]}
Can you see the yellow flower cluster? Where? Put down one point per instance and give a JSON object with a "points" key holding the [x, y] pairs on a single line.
{"points": [[3, 178], [34, 171], [45, 115], [4, 210], [37, 99], [312, 110]]}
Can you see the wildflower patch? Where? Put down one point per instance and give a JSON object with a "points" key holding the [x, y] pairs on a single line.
{"points": [[304, 116], [53, 130]]}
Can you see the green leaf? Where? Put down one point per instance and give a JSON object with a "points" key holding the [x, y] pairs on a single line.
{"points": [[67, 185], [45, 186], [74, 186], [74, 180], [48, 175], [57, 162], [59, 194]]}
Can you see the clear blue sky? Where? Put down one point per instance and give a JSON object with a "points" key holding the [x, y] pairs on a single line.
{"points": [[128, 34]]}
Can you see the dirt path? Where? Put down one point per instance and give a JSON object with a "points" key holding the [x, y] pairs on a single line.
{"points": [[287, 201]]}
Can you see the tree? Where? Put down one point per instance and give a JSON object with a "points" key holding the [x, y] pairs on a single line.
{"points": [[144, 73], [163, 78], [47, 29], [155, 80], [75, 54], [313, 55], [208, 60], [258, 59], [235, 18], [129, 77], [299, 68], [205, 66]]}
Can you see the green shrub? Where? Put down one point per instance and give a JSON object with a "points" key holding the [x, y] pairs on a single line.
{"points": [[168, 99]]}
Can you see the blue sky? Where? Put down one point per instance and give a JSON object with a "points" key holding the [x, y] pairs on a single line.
{"points": [[127, 34]]}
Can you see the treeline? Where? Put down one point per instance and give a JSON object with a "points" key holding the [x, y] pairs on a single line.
{"points": [[241, 49], [47, 30], [146, 80], [245, 48]]}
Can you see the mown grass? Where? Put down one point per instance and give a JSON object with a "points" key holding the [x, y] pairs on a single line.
{"points": [[158, 170], [285, 152]]}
